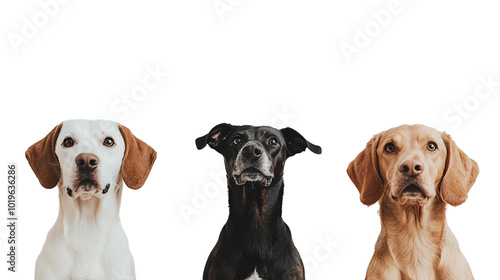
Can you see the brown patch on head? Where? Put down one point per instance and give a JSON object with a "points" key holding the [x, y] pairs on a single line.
{"points": [[137, 160], [43, 159]]}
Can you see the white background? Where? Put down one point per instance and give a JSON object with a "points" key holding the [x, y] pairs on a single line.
{"points": [[276, 63]]}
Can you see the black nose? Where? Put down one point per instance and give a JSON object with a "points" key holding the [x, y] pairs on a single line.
{"points": [[87, 162], [411, 168], [251, 152]]}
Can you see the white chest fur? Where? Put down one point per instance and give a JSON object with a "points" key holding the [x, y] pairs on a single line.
{"points": [[86, 242], [254, 276]]}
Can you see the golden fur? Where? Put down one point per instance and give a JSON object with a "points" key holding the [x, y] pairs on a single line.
{"points": [[415, 241]]}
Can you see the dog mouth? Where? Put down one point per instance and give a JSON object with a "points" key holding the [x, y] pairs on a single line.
{"points": [[87, 184], [252, 175], [412, 193], [85, 188], [85, 196]]}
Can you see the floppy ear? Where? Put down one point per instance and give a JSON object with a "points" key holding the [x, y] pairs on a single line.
{"points": [[215, 137], [460, 173], [43, 160], [365, 174], [137, 160], [296, 143]]}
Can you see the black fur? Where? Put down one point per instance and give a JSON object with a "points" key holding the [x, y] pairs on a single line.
{"points": [[255, 237]]}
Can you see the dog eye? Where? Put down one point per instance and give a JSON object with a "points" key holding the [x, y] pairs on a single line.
{"points": [[236, 140], [108, 142], [432, 146], [68, 142], [272, 141], [389, 148]]}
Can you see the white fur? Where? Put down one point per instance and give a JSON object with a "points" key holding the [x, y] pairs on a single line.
{"points": [[264, 164], [254, 276], [87, 240]]}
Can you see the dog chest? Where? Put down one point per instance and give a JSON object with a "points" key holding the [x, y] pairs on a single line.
{"points": [[254, 276]]}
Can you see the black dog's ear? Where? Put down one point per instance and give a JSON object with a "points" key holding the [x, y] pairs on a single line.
{"points": [[215, 137], [296, 143]]}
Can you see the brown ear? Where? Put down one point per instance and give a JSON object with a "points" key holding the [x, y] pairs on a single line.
{"points": [[137, 160], [364, 173], [460, 173], [43, 160]]}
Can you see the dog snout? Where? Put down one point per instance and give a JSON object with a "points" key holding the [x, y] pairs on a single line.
{"points": [[251, 152], [86, 162], [411, 168]]}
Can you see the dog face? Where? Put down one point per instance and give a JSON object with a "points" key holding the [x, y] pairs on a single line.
{"points": [[90, 155], [89, 158], [411, 165], [255, 154], [412, 162]]}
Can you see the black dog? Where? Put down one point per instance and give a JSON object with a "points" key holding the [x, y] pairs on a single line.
{"points": [[255, 239]]}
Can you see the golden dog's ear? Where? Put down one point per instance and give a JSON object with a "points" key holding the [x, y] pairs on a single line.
{"points": [[364, 173], [460, 173], [137, 160], [43, 159]]}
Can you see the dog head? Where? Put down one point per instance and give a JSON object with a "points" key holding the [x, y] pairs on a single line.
{"points": [[88, 158], [411, 165], [255, 154]]}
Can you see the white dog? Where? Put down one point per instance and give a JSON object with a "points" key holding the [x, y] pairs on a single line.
{"points": [[88, 161]]}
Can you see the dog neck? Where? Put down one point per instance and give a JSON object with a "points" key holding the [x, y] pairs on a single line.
{"points": [[413, 234], [82, 217], [255, 208]]}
